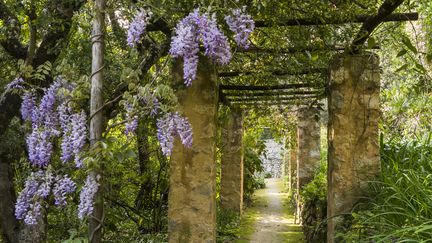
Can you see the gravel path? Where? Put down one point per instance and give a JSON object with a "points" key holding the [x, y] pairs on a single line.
{"points": [[273, 221]]}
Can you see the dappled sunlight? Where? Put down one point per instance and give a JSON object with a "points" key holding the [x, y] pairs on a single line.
{"points": [[273, 221]]}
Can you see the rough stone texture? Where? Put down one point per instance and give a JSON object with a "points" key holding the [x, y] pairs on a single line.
{"points": [[353, 151], [286, 172], [273, 159], [308, 132], [192, 195], [308, 149], [231, 192], [293, 161]]}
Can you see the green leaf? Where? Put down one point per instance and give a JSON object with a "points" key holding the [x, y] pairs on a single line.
{"points": [[371, 42], [407, 42], [402, 68], [429, 57], [401, 53], [420, 68]]}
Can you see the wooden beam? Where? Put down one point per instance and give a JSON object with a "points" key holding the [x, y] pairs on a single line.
{"points": [[292, 50], [371, 22], [271, 93], [273, 98], [273, 103], [272, 73], [396, 17], [271, 87]]}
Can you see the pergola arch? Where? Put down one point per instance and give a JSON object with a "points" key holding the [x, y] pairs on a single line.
{"points": [[350, 83]]}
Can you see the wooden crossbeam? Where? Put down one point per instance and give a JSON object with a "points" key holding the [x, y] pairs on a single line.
{"points": [[271, 93], [396, 17], [292, 50], [273, 98], [271, 87], [273, 73], [371, 22], [273, 103]]}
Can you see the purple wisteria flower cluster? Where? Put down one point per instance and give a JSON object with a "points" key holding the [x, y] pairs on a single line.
{"points": [[37, 188], [189, 33], [242, 25], [131, 120], [137, 27], [87, 195], [149, 105], [15, 84], [49, 122], [168, 127]]}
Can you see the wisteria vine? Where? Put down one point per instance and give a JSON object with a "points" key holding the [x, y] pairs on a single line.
{"points": [[51, 120]]}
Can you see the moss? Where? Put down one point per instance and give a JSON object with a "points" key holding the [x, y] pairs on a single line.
{"points": [[247, 224]]}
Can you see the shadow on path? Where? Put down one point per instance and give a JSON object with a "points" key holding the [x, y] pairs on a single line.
{"points": [[270, 218]]}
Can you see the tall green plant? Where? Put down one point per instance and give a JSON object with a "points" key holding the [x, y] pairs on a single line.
{"points": [[401, 211]]}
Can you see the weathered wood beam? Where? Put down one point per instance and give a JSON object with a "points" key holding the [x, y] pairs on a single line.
{"points": [[273, 73], [396, 17], [271, 93], [292, 50], [274, 98], [275, 103], [371, 22], [270, 87]]}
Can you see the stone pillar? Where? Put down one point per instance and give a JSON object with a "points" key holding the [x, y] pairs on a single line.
{"points": [[308, 132], [353, 143], [287, 167], [231, 191], [293, 174], [192, 194], [293, 160], [308, 149]]}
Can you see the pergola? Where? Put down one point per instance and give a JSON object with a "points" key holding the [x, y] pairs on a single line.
{"points": [[350, 83]]}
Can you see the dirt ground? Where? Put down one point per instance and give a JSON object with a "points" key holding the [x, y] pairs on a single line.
{"points": [[270, 217]]}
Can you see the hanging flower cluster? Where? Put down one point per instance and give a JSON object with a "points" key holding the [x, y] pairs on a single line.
{"points": [[51, 120], [87, 195], [151, 106], [15, 84], [190, 32], [37, 188], [241, 24], [168, 127], [137, 27], [131, 120]]}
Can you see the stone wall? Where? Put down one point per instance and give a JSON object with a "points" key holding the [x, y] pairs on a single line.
{"points": [[352, 134], [273, 159], [192, 195]]}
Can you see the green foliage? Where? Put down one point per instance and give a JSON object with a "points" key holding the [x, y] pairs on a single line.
{"points": [[400, 211], [314, 203], [253, 149], [228, 223]]}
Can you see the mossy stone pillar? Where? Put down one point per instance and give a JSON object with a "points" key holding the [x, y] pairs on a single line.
{"points": [[308, 148], [287, 167], [353, 151], [231, 191], [308, 132], [192, 194], [293, 160]]}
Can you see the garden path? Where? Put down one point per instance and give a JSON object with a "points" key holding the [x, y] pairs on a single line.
{"points": [[273, 218]]}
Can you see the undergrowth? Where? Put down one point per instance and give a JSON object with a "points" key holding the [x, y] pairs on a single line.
{"points": [[401, 210]]}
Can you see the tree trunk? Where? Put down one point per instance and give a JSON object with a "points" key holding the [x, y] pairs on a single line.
{"points": [[96, 103]]}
